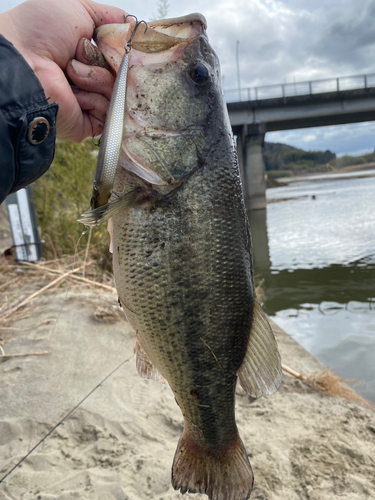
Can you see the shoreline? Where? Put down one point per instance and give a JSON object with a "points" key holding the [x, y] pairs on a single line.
{"points": [[352, 172], [121, 441]]}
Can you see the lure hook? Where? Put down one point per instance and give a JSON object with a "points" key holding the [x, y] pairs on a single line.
{"points": [[128, 45], [130, 15], [97, 144]]}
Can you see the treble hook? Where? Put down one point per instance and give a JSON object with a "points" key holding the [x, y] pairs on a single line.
{"points": [[128, 45], [130, 15]]}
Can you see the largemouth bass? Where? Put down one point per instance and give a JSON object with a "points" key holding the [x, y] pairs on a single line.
{"points": [[182, 249]]}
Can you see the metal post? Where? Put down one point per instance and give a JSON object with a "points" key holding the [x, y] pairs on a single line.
{"points": [[338, 84], [283, 87], [365, 77], [238, 69], [310, 87], [24, 226], [248, 94], [256, 93]]}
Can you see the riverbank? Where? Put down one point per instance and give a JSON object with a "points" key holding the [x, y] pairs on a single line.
{"points": [[350, 172], [119, 444]]}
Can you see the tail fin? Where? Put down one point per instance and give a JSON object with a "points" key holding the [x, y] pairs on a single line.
{"points": [[223, 474]]}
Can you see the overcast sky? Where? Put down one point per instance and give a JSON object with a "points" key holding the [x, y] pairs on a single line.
{"points": [[285, 41]]}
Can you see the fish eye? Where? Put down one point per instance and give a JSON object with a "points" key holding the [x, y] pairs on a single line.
{"points": [[199, 74]]}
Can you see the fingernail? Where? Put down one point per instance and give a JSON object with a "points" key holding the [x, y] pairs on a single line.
{"points": [[93, 55], [81, 69]]}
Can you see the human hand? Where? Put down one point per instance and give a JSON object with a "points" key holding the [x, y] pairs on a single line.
{"points": [[49, 34]]}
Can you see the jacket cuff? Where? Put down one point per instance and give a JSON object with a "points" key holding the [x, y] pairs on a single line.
{"points": [[35, 147], [27, 122]]}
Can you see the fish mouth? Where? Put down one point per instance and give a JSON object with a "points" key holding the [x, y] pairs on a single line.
{"points": [[160, 36], [180, 26]]}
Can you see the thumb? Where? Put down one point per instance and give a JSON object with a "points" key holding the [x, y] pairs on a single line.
{"points": [[104, 14]]}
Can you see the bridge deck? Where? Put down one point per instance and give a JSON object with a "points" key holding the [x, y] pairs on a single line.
{"points": [[302, 111]]}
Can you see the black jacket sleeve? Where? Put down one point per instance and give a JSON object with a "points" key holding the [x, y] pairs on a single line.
{"points": [[27, 123]]}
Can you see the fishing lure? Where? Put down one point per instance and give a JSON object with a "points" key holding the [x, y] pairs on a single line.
{"points": [[110, 143]]}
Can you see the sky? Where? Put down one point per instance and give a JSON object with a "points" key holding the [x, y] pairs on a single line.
{"points": [[282, 41]]}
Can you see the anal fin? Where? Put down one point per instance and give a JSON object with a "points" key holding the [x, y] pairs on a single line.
{"points": [[144, 366], [260, 373]]}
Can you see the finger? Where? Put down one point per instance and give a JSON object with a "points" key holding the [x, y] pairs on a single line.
{"points": [[96, 125], [104, 14], [89, 127], [87, 53], [90, 78], [80, 125], [81, 114], [95, 104]]}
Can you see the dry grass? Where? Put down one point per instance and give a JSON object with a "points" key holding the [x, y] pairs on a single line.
{"points": [[21, 283], [61, 196], [328, 382], [260, 291]]}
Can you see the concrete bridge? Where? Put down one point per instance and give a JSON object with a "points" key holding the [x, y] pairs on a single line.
{"points": [[255, 111]]}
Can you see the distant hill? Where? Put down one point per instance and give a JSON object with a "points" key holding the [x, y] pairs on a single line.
{"points": [[282, 160]]}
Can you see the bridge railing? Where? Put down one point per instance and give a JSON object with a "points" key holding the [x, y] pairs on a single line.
{"points": [[300, 88]]}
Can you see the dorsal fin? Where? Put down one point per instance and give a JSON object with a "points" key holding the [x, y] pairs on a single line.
{"points": [[260, 373]]}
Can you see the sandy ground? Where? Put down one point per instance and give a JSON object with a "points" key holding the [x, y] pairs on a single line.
{"points": [[120, 443]]}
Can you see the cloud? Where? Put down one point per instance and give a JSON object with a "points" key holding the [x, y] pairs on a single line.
{"points": [[280, 40], [348, 40], [308, 138], [285, 41], [356, 138]]}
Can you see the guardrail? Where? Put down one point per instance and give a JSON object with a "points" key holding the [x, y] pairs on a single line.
{"points": [[300, 88]]}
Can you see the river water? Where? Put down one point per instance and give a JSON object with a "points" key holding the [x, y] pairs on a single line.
{"points": [[315, 252]]}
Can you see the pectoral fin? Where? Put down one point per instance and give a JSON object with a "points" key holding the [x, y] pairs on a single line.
{"points": [[97, 216], [144, 366], [260, 373]]}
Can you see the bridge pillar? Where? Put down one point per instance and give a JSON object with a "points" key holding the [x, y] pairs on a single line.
{"points": [[250, 157]]}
